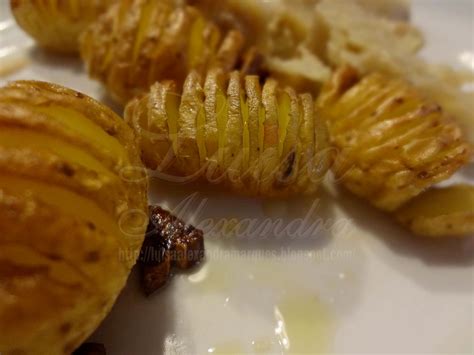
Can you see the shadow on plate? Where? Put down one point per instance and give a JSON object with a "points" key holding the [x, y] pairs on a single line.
{"points": [[235, 261], [56, 65], [107, 100], [144, 322], [468, 171], [433, 263], [236, 222], [56, 60]]}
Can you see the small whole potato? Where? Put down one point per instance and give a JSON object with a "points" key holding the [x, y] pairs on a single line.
{"points": [[440, 212], [72, 217], [139, 42], [57, 24], [392, 143], [255, 139]]}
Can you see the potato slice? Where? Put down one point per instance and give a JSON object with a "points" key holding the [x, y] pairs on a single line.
{"points": [[438, 212], [269, 156], [253, 95], [233, 155], [213, 86], [144, 135], [288, 139], [191, 103], [50, 167], [307, 140]]}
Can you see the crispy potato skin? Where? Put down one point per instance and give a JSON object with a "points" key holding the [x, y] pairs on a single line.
{"points": [[391, 143], [57, 24], [224, 129], [72, 217], [138, 42], [440, 212]]}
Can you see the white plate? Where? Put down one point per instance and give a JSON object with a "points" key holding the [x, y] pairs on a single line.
{"points": [[360, 285]]}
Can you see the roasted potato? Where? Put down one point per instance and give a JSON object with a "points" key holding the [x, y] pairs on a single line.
{"points": [[138, 42], [57, 24], [391, 143], [302, 40], [72, 216], [390, 9], [374, 44], [366, 41], [285, 32], [440, 212], [257, 141]]}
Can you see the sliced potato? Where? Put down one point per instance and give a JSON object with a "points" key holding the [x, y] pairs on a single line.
{"points": [[446, 211], [391, 142], [73, 214], [138, 42], [248, 140]]}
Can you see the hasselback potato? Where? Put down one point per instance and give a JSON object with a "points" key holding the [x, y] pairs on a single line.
{"points": [[440, 212], [57, 24], [138, 42], [72, 217], [228, 129], [391, 142]]}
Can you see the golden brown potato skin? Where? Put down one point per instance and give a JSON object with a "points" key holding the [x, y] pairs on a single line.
{"points": [[71, 219], [258, 140], [440, 212], [57, 24], [391, 143], [138, 42]]}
